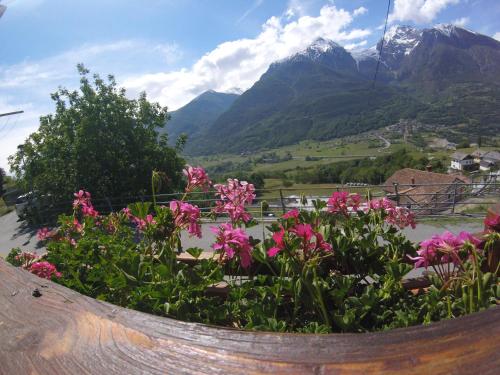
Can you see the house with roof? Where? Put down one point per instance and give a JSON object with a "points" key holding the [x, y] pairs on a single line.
{"points": [[487, 160], [461, 161], [426, 192]]}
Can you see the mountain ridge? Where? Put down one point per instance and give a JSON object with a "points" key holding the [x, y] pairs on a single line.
{"points": [[326, 91]]}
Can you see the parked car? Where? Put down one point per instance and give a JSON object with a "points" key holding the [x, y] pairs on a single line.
{"points": [[23, 202]]}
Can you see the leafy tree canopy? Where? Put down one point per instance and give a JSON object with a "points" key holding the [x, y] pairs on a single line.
{"points": [[100, 141]]}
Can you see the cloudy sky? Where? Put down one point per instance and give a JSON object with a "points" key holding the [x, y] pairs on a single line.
{"points": [[176, 49]]}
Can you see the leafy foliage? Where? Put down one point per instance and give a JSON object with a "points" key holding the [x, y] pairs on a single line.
{"points": [[98, 140], [366, 170]]}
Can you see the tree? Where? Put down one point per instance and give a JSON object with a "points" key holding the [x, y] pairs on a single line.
{"points": [[100, 141], [2, 181]]}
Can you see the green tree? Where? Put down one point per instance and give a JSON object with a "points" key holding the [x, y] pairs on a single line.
{"points": [[100, 141], [2, 181]]}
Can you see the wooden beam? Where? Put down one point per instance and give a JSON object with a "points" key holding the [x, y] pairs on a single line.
{"points": [[64, 332]]}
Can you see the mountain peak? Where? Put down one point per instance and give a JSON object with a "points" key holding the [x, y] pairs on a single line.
{"points": [[318, 47]]}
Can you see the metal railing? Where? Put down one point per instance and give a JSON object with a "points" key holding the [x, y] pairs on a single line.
{"points": [[440, 199]]}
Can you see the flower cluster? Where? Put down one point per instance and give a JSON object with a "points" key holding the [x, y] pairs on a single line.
{"points": [[233, 198], [398, 216], [492, 223], [311, 241], [83, 200], [26, 259], [444, 248], [197, 178], [233, 241], [186, 216], [142, 224], [44, 270], [44, 234], [342, 203]]}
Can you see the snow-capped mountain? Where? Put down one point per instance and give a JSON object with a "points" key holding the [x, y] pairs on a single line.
{"points": [[442, 75], [399, 41], [321, 51]]}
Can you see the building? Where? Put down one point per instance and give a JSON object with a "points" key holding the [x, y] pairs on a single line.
{"points": [[425, 191], [488, 160], [463, 162]]}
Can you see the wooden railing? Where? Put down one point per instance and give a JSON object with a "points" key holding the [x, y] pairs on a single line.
{"points": [[64, 332]]}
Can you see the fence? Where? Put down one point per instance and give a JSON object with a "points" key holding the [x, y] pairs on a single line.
{"points": [[437, 199]]}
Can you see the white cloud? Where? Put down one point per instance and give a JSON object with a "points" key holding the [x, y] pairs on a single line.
{"points": [[256, 4], [461, 22], [497, 36], [353, 46], [359, 11], [28, 84], [418, 11], [239, 63]]}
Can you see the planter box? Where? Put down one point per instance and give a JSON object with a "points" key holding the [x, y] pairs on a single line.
{"points": [[64, 332]]}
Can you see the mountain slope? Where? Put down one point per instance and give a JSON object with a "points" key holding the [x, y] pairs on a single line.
{"points": [[444, 75], [198, 114]]}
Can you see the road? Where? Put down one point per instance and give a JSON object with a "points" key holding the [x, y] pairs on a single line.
{"points": [[386, 141], [17, 234]]}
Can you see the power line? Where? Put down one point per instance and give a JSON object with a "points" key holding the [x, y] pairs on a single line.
{"points": [[382, 43], [10, 113]]}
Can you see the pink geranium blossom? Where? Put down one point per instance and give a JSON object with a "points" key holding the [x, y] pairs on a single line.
{"points": [[492, 222], [444, 248], [197, 178], [342, 202], [311, 241], [142, 224], [233, 241], [398, 216], [233, 198], [26, 259], [88, 210], [278, 238], [44, 270], [44, 234], [81, 198], [291, 214], [186, 216]]}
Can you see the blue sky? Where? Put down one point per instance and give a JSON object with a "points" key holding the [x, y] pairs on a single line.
{"points": [[176, 49]]}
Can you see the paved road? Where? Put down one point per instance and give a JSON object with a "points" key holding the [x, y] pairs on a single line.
{"points": [[14, 233]]}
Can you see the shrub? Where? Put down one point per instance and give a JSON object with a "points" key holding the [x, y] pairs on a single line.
{"points": [[336, 268]]}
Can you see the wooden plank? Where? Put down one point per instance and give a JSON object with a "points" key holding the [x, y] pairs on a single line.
{"points": [[63, 332]]}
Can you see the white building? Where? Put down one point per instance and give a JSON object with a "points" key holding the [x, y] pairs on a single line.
{"points": [[463, 162]]}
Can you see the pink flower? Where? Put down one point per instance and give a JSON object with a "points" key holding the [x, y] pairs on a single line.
{"points": [[197, 178], [143, 223], [88, 210], [342, 202], [233, 198], [26, 259], [186, 216], [44, 234], [492, 222], [401, 217], [44, 270], [311, 241], [81, 198], [444, 248], [291, 214], [126, 211], [233, 241], [279, 240]]}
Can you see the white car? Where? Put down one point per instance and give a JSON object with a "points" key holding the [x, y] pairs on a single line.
{"points": [[22, 203]]}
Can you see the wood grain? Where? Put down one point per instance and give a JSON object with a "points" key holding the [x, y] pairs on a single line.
{"points": [[63, 332]]}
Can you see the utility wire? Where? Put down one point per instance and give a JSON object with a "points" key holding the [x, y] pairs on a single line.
{"points": [[381, 43]]}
